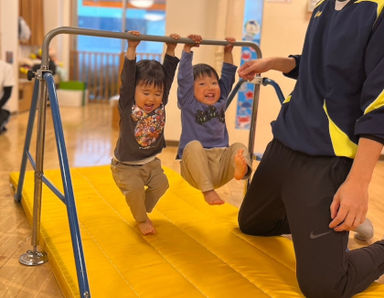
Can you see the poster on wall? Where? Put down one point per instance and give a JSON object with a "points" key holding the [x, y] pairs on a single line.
{"points": [[251, 32]]}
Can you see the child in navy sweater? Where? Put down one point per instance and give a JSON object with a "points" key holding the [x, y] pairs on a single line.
{"points": [[207, 160]]}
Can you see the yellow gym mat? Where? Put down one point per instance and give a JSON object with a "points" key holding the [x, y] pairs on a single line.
{"points": [[198, 250]]}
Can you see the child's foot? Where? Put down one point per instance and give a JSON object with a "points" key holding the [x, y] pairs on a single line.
{"points": [[241, 166], [212, 198], [146, 227]]}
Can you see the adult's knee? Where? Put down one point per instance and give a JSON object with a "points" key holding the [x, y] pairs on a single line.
{"points": [[319, 286], [258, 225], [247, 226]]}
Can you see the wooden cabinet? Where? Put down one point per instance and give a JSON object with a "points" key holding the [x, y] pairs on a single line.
{"points": [[33, 14], [25, 95]]}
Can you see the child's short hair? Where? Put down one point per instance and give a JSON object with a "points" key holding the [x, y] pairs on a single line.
{"points": [[202, 69], [150, 72]]}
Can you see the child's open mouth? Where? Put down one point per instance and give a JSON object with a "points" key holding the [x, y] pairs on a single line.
{"points": [[210, 96], [148, 108]]}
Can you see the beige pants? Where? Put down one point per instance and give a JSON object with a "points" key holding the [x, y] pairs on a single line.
{"points": [[208, 169], [142, 185]]}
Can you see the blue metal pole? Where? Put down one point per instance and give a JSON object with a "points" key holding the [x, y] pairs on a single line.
{"points": [[50, 185], [279, 93], [27, 142], [234, 91], [68, 189]]}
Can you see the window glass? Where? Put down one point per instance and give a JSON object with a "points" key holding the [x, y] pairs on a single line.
{"points": [[104, 15], [97, 60]]}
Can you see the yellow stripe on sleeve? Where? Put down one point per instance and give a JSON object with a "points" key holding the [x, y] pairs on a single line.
{"points": [[376, 104], [341, 143]]}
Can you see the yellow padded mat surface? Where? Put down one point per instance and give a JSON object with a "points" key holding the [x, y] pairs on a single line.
{"points": [[198, 250]]}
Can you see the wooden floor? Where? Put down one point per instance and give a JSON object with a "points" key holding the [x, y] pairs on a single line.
{"points": [[90, 140]]}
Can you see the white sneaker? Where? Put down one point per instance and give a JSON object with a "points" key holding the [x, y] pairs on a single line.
{"points": [[364, 232]]}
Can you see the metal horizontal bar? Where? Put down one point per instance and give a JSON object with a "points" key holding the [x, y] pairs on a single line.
{"points": [[125, 35]]}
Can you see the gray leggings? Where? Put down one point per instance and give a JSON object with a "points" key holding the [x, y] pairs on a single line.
{"points": [[291, 193]]}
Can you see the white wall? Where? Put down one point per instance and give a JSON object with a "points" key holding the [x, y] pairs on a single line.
{"points": [[57, 14], [9, 11]]}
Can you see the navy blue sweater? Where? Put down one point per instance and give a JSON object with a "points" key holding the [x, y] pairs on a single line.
{"points": [[199, 121], [339, 93]]}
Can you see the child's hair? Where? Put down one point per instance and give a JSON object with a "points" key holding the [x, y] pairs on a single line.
{"points": [[202, 69], [150, 72]]}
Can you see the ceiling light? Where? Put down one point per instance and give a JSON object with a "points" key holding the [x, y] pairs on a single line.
{"points": [[142, 3]]}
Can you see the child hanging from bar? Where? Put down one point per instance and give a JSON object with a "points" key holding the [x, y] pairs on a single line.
{"points": [[144, 92], [207, 160]]}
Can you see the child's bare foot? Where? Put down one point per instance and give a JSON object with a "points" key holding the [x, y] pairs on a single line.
{"points": [[241, 166], [146, 227], [212, 198]]}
